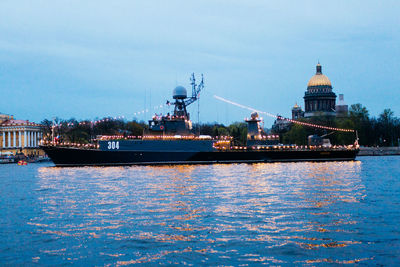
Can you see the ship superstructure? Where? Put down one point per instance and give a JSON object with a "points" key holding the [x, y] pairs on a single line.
{"points": [[179, 122]]}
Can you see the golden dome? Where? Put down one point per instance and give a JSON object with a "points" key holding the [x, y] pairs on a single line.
{"points": [[319, 78]]}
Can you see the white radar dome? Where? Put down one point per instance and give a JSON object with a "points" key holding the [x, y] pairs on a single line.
{"points": [[179, 92], [254, 115]]}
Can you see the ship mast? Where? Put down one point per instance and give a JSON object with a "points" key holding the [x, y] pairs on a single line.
{"points": [[195, 89], [181, 99]]}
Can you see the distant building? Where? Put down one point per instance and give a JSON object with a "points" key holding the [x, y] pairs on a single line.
{"points": [[19, 136], [297, 112], [280, 124], [319, 99], [342, 109]]}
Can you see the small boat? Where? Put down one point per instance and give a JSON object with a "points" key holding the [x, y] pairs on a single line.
{"points": [[22, 163], [7, 158]]}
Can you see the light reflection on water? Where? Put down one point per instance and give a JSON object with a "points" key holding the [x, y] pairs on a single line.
{"points": [[278, 213]]}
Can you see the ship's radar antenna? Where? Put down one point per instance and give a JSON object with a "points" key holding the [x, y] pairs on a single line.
{"points": [[179, 93], [181, 99]]}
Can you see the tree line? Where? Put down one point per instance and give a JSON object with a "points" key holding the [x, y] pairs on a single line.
{"points": [[84, 131], [383, 130]]}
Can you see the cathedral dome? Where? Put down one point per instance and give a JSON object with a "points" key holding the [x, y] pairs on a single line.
{"points": [[319, 100], [319, 79]]}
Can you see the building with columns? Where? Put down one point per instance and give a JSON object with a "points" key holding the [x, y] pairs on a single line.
{"points": [[319, 99], [20, 136]]}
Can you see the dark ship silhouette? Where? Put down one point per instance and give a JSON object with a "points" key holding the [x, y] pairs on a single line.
{"points": [[170, 139]]}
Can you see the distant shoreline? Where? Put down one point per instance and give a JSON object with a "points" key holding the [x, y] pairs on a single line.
{"points": [[379, 151]]}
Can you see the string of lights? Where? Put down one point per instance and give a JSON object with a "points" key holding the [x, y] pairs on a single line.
{"points": [[94, 122], [147, 110], [282, 118], [71, 124]]}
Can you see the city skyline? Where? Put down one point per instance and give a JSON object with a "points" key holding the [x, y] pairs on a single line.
{"points": [[96, 59]]}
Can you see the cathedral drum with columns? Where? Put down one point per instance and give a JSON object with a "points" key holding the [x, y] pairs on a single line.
{"points": [[319, 99], [20, 136]]}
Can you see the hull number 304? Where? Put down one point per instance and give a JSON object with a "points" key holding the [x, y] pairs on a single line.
{"points": [[113, 145]]}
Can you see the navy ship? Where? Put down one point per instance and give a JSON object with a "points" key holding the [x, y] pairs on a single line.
{"points": [[170, 139]]}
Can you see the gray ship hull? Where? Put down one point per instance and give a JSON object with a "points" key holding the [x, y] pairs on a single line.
{"points": [[67, 156]]}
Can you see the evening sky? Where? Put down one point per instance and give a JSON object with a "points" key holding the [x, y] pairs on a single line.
{"points": [[90, 59]]}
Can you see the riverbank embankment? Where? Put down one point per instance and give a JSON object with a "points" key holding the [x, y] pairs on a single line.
{"points": [[379, 151]]}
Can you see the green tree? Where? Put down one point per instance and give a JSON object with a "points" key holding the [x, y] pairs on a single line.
{"points": [[358, 111], [220, 131], [344, 138], [134, 128], [387, 126], [359, 115], [296, 135], [47, 126], [238, 131]]}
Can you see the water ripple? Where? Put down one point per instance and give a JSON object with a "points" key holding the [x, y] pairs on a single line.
{"points": [[279, 213]]}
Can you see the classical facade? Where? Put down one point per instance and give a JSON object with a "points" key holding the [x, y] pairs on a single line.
{"points": [[319, 99], [19, 136]]}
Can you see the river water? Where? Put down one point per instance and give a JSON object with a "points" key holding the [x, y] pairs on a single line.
{"points": [[237, 215]]}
